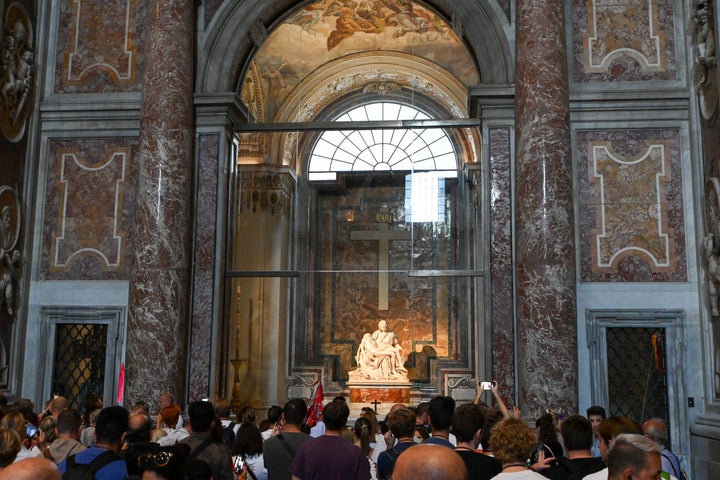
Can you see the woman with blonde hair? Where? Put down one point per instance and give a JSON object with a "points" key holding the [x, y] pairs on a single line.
{"points": [[14, 420], [10, 444]]}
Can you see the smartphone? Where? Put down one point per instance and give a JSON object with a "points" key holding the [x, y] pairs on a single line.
{"points": [[238, 464], [487, 385]]}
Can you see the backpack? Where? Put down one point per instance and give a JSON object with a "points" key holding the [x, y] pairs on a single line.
{"points": [[229, 435], [681, 475], [86, 471]]}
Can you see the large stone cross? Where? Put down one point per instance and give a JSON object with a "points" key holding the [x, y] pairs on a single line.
{"points": [[383, 235]]}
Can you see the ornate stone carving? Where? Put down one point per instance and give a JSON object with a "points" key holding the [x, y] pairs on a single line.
{"points": [[379, 357], [267, 189], [16, 71], [705, 65], [9, 255], [711, 248]]}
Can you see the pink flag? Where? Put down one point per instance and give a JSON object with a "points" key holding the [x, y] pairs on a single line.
{"points": [[121, 384]]}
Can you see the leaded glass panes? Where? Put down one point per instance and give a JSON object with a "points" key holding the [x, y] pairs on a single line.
{"points": [[417, 149]]}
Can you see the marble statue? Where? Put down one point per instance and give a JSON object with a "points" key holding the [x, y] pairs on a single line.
{"points": [[379, 357]]}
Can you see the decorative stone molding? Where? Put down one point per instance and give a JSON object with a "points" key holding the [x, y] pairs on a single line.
{"points": [[266, 188]]}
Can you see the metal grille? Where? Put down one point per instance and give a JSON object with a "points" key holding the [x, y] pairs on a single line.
{"points": [[636, 386], [79, 366]]}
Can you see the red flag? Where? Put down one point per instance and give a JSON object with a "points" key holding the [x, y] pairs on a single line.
{"points": [[315, 411], [121, 384]]}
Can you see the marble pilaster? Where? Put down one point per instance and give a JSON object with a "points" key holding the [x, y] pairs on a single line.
{"points": [[158, 299], [545, 248]]}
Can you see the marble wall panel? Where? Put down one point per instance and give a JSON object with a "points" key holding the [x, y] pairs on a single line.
{"points": [[501, 269], [630, 197], [624, 41], [89, 204], [204, 267], [98, 46]]}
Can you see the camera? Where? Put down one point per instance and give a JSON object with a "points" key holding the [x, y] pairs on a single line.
{"points": [[238, 464], [487, 385]]}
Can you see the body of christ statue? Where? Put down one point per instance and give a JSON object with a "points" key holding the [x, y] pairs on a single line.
{"points": [[379, 357]]}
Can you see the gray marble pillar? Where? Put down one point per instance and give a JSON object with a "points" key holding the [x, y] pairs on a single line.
{"points": [[158, 303], [545, 239]]}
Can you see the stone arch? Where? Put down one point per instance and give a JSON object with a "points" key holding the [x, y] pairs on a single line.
{"points": [[238, 29], [357, 73]]}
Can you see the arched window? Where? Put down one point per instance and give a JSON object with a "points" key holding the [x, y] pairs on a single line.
{"points": [[412, 150]]}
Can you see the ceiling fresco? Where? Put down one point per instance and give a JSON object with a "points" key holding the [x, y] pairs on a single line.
{"points": [[330, 29]]}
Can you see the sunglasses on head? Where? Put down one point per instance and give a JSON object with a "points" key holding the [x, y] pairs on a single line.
{"points": [[161, 459]]}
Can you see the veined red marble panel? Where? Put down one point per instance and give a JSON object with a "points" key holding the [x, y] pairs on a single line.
{"points": [[98, 46], [88, 210], [624, 41], [204, 273], [501, 270], [380, 394], [631, 206]]}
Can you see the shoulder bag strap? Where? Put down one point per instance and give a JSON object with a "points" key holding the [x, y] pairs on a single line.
{"points": [[286, 444]]}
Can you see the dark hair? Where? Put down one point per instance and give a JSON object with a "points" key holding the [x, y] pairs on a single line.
{"points": [[362, 430], [69, 421], [111, 423], [467, 421], [202, 415], [422, 408], [295, 411], [274, 413], [401, 423], [577, 433], [222, 408], [548, 432], [197, 470], [335, 415], [441, 411], [596, 410], [248, 440], [89, 406], [493, 416]]}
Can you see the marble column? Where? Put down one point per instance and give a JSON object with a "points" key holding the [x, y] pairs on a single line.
{"points": [[159, 288], [545, 239]]}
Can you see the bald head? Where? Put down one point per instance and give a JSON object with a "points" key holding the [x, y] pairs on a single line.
{"points": [[58, 405], [31, 469], [429, 462]]}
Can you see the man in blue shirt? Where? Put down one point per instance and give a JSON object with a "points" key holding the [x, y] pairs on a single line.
{"points": [[110, 427]]}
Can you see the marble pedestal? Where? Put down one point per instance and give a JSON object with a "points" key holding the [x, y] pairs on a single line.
{"points": [[383, 392]]}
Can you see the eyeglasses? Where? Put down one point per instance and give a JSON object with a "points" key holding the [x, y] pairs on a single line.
{"points": [[161, 459]]}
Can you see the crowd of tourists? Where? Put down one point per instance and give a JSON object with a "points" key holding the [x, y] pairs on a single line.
{"points": [[435, 440]]}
